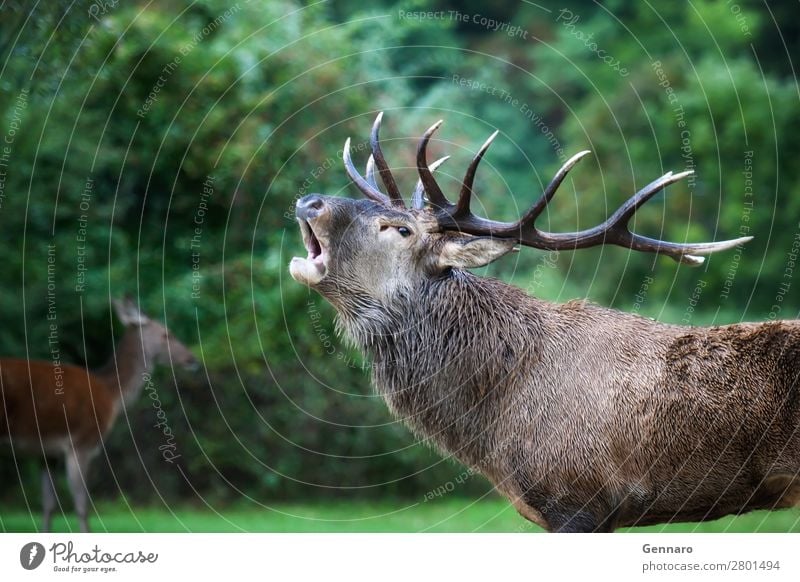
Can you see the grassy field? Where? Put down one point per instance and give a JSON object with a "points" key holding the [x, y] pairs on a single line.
{"points": [[452, 515]]}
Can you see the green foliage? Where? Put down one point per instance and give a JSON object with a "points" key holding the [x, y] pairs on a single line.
{"points": [[707, 107]]}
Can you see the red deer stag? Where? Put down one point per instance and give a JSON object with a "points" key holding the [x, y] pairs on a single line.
{"points": [[69, 411], [585, 418]]}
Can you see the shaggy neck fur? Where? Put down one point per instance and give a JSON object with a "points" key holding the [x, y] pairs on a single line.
{"points": [[446, 355]]}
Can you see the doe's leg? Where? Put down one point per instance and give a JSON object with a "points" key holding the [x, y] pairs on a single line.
{"points": [[77, 472], [49, 498]]}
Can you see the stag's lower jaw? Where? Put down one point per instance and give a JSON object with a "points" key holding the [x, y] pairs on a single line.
{"points": [[311, 269]]}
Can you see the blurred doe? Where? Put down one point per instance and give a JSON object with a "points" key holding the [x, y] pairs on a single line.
{"points": [[585, 418], [47, 410]]}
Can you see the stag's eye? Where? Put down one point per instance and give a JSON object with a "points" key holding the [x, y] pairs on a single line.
{"points": [[403, 230]]}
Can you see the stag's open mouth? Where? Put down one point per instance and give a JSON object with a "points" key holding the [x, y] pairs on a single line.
{"points": [[311, 269]]}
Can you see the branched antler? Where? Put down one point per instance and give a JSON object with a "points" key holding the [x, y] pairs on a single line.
{"points": [[459, 217]]}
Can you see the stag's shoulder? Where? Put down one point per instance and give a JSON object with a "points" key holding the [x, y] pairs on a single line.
{"points": [[739, 345], [748, 335], [776, 337], [589, 312]]}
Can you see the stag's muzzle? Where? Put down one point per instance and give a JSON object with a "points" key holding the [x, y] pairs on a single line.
{"points": [[311, 269], [309, 207]]}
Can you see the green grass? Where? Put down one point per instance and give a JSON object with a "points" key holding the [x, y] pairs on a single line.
{"points": [[451, 515]]}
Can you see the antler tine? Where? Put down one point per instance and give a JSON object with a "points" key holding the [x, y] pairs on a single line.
{"points": [[418, 198], [617, 227], [362, 184], [681, 252], [370, 173], [625, 212], [464, 196], [435, 194], [552, 187], [469, 223], [538, 207], [383, 168]]}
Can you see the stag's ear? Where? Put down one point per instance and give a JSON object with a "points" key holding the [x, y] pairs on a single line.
{"points": [[464, 252]]}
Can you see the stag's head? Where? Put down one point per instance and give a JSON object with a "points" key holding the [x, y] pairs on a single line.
{"points": [[379, 246], [367, 248]]}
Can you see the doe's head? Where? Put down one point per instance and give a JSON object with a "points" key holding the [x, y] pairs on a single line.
{"points": [[157, 341]]}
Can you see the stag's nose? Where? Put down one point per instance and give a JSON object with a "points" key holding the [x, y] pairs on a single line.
{"points": [[309, 206]]}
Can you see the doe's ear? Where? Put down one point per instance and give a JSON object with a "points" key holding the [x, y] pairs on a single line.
{"points": [[475, 251], [128, 312]]}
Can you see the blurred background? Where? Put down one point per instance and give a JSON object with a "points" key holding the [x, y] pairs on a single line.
{"points": [[156, 148]]}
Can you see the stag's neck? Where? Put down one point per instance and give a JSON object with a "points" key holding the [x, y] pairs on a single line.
{"points": [[128, 367], [459, 310], [444, 359]]}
